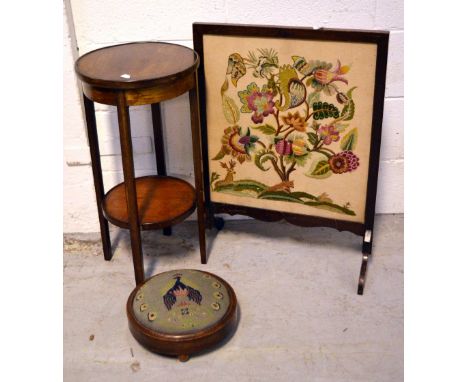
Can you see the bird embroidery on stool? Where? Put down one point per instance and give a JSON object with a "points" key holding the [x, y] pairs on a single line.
{"points": [[180, 290]]}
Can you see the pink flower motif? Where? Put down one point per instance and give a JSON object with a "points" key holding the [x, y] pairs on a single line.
{"points": [[329, 134], [325, 77], [283, 147], [345, 161], [261, 103]]}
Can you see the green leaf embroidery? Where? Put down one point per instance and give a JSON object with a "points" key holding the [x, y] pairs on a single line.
{"points": [[262, 156], [279, 195], [324, 110], [265, 129], [230, 110], [299, 194], [243, 185], [340, 127], [349, 93], [225, 86], [301, 160], [313, 97], [220, 155], [348, 111], [349, 141], [214, 177], [331, 207], [318, 168], [322, 168], [313, 138]]}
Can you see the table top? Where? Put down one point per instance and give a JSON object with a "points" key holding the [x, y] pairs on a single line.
{"points": [[136, 65]]}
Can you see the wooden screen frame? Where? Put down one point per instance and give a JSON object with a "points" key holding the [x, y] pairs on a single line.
{"points": [[380, 38]]}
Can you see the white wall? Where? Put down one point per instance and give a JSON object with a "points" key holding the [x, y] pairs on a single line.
{"points": [[92, 24]]}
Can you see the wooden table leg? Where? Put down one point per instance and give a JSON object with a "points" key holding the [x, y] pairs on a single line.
{"points": [[159, 147], [198, 169], [130, 188], [97, 174]]}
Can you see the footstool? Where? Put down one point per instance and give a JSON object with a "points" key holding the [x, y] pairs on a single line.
{"points": [[182, 312]]}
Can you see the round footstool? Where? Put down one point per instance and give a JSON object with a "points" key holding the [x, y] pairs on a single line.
{"points": [[182, 312]]}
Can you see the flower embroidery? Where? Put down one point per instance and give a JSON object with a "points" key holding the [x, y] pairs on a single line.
{"points": [[323, 197], [299, 147], [283, 147], [329, 134], [295, 121], [264, 63], [343, 162], [248, 141], [260, 102], [236, 145], [325, 76], [280, 99]]}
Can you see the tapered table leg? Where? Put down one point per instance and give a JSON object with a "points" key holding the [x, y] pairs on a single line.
{"points": [[97, 174], [198, 169], [130, 188], [159, 147]]}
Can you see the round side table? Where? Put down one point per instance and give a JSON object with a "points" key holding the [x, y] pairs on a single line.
{"points": [[133, 74]]}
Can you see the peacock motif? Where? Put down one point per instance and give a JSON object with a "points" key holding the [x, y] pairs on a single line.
{"points": [[180, 290]]}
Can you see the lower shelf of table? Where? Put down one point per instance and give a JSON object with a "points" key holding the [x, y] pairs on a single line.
{"points": [[162, 201]]}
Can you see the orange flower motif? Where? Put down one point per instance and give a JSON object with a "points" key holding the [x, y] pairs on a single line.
{"points": [[299, 147], [295, 121], [232, 144]]}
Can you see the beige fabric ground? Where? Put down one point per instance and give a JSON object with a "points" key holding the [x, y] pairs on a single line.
{"points": [[342, 188]]}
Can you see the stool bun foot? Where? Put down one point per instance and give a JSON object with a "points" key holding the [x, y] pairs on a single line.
{"points": [[183, 357]]}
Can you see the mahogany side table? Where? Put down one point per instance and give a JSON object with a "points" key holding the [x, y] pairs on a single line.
{"points": [[132, 74]]}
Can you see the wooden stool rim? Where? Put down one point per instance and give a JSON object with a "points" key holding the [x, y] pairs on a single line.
{"points": [[184, 344], [135, 84]]}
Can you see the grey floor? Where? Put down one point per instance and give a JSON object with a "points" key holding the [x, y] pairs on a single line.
{"points": [[301, 319]]}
